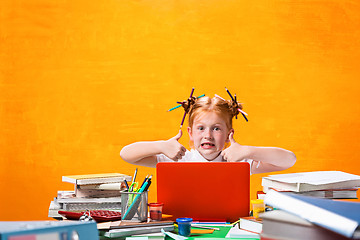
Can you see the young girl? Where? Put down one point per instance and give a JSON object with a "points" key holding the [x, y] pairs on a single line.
{"points": [[210, 129]]}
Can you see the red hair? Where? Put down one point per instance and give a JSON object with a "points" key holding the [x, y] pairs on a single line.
{"points": [[218, 105]]}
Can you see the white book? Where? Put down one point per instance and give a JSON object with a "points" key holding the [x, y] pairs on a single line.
{"points": [[96, 178], [310, 181], [115, 233], [147, 236], [338, 193], [251, 224], [236, 232]]}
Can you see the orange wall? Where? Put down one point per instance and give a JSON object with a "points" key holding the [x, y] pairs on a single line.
{"points": [[81, 79]]}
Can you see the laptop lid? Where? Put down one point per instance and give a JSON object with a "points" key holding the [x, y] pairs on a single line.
{"points": [[204, 191]]}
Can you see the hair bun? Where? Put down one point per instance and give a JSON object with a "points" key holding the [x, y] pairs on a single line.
{"points": [[234, 108], [188, 104]]}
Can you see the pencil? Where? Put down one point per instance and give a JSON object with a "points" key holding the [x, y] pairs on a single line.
{"points": [[183, 119], [146, 178], [234, 223], [245, 117], [230, 94], [174, 108], [127, 185], [203, 95], [196, 226], [133, 180], [236, 103], [192, 91]]}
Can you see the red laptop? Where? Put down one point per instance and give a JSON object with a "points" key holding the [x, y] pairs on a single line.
{"points": [[204, 191]]}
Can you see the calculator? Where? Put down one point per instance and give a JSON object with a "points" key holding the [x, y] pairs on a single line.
{"points": [[97, 215]]}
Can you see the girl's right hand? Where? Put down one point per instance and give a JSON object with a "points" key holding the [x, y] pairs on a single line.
{"points": [[173, 149]]}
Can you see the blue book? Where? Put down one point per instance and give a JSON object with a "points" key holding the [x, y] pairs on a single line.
{"points": [[49, 230], [342, 217]]}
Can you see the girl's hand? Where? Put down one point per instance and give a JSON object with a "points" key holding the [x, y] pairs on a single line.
{"points": [[173, 149], [235, 152]]}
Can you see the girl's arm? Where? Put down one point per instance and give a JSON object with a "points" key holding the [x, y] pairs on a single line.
{"points": [[270, 159], [144, 153], [265, 159]]}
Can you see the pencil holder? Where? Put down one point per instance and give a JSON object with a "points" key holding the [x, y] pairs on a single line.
{"points": [[134, 206]]}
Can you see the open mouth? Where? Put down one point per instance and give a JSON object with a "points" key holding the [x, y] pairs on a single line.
{"points": [[207, 145]]}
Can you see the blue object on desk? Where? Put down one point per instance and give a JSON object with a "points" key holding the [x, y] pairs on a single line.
{"points": [[48, 230], [184, 225]]}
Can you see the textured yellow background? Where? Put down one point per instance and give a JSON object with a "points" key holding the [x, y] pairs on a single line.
{"points": [[81, 79]]}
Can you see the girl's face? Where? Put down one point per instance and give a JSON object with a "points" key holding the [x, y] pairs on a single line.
{"points": [[209, 134]]}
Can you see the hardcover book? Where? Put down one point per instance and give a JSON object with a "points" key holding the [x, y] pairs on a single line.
{"points": [[341, 217]]}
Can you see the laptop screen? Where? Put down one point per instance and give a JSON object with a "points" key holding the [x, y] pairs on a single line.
{"points": [[204, 191]]}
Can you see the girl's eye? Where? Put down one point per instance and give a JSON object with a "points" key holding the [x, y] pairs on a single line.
{"points": [[216, 128], [200, 128]]}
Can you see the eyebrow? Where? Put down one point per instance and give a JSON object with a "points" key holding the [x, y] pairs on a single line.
{"points": [[211, 124]]}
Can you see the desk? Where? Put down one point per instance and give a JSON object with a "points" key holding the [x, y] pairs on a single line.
{"points": [[216, 235]]}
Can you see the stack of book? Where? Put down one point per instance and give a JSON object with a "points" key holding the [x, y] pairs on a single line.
{"points": [[91, 192], [303, 217], [321, 184]]}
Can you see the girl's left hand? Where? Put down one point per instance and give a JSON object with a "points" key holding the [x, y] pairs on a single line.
{"points": [[235, 152]]}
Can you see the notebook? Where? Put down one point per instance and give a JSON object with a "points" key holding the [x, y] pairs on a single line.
{"points": [[204, 191]]}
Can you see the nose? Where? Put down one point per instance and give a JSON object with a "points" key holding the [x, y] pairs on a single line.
{"points": [[208, 134]]}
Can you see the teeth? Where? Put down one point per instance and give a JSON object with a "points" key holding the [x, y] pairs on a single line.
{"points": [[209, 144]]}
